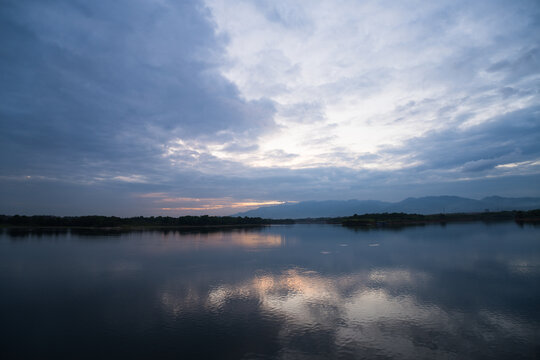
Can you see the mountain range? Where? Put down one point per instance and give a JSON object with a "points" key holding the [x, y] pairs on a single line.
{"points": [[423, 205]]}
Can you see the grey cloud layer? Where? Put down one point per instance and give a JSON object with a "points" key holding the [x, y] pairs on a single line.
{"points": [[509, 138], [91, 84]]}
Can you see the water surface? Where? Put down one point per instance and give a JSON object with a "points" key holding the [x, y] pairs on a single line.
{"points": [[463, 291]]}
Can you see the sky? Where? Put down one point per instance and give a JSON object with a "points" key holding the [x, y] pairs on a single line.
{"points": [[158, 107]]}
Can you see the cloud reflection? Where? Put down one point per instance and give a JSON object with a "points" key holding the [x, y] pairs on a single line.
{"points": [[364, 310], [249, 239]]}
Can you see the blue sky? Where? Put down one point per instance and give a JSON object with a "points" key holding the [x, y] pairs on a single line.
{"points": [[190, 107]]}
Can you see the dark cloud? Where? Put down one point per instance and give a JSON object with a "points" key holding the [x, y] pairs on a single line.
{"points": [[102, 86], [508, 91], [526, 63], [507, 138]]}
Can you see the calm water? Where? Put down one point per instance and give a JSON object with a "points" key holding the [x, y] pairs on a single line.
{"points": [[464, 291]]}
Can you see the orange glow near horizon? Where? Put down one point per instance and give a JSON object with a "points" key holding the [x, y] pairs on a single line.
{"points": [[226, 206], [204, 204]]}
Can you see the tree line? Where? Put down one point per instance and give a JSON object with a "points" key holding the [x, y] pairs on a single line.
{"points": [[398, 219], [365, 220], [140, 221]]}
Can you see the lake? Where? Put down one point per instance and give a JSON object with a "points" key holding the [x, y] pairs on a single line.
{"points": [[460, 291]]}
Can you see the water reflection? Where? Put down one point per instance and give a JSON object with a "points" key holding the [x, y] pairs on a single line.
{"points": [[29, 233], [306, 291], [235, 238], [362, 313]]}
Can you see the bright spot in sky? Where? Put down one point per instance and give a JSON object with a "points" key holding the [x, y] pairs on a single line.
{"points": [[359, 78]]}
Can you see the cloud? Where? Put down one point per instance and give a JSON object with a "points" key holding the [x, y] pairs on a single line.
{"points": [[510, 137], [525, 64], [106, 86], [265, 101], [239, 148], [383, 73]]}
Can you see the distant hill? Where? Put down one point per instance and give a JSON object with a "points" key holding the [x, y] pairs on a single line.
{"points": [[424, 205]]}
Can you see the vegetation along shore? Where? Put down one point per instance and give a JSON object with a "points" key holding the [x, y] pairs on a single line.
{"points": [[365, 220]]}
